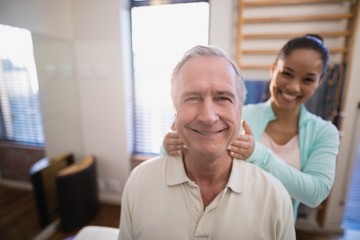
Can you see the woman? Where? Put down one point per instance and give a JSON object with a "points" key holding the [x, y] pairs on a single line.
{"points": [[286, 140]]}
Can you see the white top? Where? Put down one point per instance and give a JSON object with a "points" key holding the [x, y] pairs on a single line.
{"points": [[289, 152], [160, 202], [97, 233]]}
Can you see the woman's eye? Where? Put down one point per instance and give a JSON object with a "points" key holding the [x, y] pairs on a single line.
{"points": [[309, 80], [286, 74]]}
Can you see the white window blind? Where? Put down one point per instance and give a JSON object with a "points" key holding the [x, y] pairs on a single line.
{"points": [[20, 118], [160, 36]]}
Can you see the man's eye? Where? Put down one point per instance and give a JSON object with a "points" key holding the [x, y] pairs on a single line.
{"points": [[225, 99], [191, 99]]}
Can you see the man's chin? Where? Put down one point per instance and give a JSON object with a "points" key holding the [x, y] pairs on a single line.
{"points": [[208, 152]]}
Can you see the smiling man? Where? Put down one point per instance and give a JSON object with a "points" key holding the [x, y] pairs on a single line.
{"points": [[203, 194]]}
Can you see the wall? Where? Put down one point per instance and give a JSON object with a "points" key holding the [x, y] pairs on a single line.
{"points": [[102, 78], [59, 98], [223, 22], [101, 45], [53, 18]]}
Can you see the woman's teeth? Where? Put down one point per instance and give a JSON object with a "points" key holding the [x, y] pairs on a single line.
{"points": [[288, 96]]}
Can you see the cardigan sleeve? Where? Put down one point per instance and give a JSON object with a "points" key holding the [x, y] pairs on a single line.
{"points": [[313, 183]]}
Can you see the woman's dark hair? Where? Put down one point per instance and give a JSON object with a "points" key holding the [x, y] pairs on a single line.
{"points": [[309, 41]]}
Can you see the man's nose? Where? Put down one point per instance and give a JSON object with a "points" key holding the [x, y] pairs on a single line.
{"points": [[208, 112]]}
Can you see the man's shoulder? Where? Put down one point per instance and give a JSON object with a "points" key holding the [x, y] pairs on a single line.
{"points": [[150, 163], [147, 168], [262, 179]]}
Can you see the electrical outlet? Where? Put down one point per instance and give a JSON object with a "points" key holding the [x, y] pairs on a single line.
{"points": [[101, 184], [112, 185]]}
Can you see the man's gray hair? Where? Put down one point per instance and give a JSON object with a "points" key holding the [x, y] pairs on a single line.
{"points": [[208, 51]]}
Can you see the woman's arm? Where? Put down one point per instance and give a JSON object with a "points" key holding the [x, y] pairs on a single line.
{"points": [[313, 184]]}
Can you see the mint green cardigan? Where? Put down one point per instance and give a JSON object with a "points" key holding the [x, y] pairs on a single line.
{"points": [[319, 145]]}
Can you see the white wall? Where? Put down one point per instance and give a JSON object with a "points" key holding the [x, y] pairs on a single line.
{"points": [[53, 18], [223, 24], [99, 31], [59, 95], [102, 80]]}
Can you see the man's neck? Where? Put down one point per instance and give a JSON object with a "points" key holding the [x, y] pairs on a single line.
{"points": [[208, 170], [210, 175]]}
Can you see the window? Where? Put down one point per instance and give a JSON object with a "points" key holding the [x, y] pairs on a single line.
{"points": [[20, 118], [160, 36]]}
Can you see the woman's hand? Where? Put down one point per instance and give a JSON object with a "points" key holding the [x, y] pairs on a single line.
{"points": [[244, 144], [173, 145]]}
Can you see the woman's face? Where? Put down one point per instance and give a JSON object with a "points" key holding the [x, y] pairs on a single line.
{"points": [[294, 78]]}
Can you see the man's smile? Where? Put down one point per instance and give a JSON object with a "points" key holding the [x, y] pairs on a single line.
{"points": [[202, 132]]}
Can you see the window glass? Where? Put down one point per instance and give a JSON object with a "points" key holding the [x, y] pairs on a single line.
{"points": [[20, 118], [160, 36]]}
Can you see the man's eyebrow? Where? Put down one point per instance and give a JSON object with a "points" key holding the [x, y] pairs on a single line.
{"points": [[217, 93], [226, 93], [190, 93]]}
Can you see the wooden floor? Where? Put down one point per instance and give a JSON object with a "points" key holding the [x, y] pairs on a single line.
{"points": [[18, 219], [108, 215]]}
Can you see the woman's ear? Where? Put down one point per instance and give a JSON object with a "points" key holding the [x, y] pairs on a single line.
{"points": [[272, 69]]}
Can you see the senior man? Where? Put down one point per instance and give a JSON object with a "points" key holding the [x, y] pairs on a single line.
{"points": [[205, 193]]}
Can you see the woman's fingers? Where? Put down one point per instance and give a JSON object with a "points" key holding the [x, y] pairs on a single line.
{"points": [[242, 147], [173, 144], [246, 128]]}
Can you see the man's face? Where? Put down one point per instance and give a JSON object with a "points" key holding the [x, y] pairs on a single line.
{"points": [[208, 110]]}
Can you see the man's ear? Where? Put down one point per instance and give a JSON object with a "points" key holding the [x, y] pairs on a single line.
{"points": [[173, 126]]}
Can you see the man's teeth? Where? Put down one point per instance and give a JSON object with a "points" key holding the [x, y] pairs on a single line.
{"points": [[207, 133]]}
